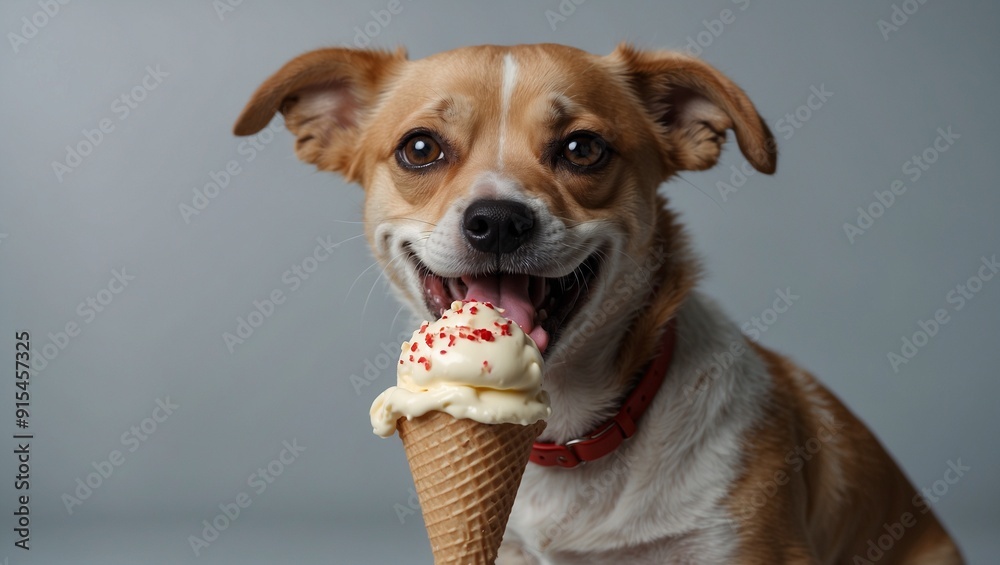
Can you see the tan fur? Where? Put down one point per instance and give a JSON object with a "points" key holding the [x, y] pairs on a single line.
{"points": [[842, 495], [662, 113]]}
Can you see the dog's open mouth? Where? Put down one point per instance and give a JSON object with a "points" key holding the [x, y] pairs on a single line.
{"points": [[541, 306]]}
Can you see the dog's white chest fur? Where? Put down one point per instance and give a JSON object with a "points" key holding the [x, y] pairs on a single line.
{"points": [[660, 497]]}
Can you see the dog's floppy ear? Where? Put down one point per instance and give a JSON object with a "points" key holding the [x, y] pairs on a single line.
{"points": [[324, 96], [694, 104]]}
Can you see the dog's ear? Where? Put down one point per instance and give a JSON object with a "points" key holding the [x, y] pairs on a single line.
{"points": [[694, 104], [324, 96]]}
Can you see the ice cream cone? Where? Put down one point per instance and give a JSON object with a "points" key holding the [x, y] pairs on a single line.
{"points": [[467, 474]]}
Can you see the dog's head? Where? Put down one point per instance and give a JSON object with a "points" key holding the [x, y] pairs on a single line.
{"points": [[525, 175]]}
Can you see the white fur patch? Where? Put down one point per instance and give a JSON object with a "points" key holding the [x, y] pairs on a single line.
{"points": [[506, 92]]}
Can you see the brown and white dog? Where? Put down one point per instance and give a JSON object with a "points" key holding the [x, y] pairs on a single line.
{"points": [[528, 176]]}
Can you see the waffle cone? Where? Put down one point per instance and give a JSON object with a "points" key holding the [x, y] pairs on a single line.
{"points": [[467, 474]]}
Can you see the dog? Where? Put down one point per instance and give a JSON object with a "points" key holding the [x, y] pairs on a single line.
{"points": [[528, 176]]}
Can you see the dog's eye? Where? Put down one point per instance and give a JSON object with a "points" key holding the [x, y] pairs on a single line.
{"points": [[584, 149], [419, 150]]}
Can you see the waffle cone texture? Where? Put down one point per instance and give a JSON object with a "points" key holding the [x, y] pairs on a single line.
{"points": [[467, 474]]}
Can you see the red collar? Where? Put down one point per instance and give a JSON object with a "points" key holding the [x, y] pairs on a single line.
{"points": [[607, 437]]}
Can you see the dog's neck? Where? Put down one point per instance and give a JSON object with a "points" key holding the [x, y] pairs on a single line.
{"points": [[587, 380]]}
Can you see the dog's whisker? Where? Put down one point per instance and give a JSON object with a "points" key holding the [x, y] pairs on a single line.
{"points": [[368, 268], [603, 258], [394, 318], [387, 219], [375, 264], [364, 308], [698, 188], [390, 218]]}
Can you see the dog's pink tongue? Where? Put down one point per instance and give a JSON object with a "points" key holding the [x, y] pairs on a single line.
{"points": [[513, 294]]}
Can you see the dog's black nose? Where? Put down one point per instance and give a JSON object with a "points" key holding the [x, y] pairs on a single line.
{"points": [[497, 226]]}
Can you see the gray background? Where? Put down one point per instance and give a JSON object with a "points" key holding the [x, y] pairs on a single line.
{"points": [[162, 336]]}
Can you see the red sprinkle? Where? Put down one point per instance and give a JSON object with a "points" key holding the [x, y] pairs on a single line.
{"points": [[429, 338], [423, 327], [441, 334], [488, 305], [427, 364], [414, 346], [483, 334], [443, 352], [451, 340], [411, 359], [400, 361], [505, 329], [473, 310]]}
